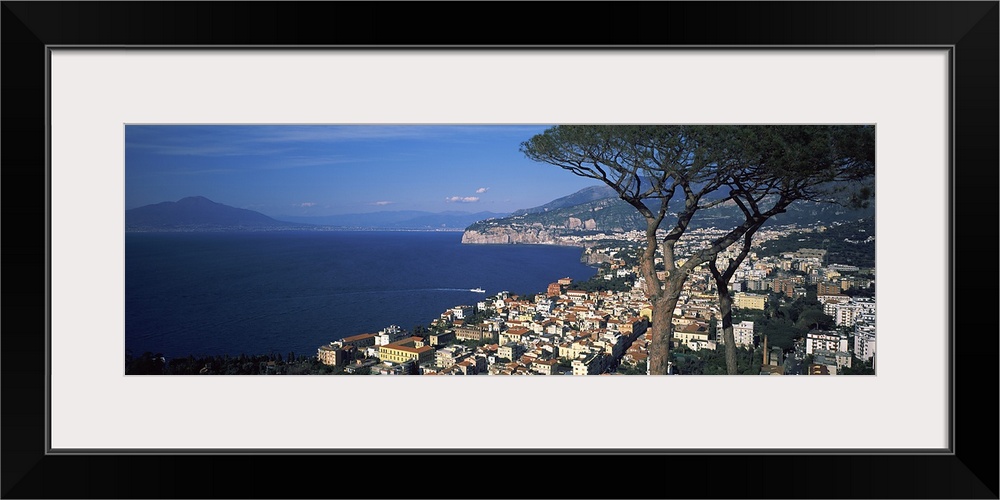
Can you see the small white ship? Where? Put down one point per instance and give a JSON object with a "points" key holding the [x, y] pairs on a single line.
{"points": [[478, 290]]}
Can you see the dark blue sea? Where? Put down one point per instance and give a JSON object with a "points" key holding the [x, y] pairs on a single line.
{"points": [[258, 293]]}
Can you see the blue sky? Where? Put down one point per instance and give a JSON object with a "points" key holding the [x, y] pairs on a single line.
{"points": [[327, 170]]}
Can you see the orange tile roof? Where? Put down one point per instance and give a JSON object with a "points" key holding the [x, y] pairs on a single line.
{"points": [[352, 338]]}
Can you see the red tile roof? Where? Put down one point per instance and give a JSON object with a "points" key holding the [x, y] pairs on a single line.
{"points": [[363, 336]]}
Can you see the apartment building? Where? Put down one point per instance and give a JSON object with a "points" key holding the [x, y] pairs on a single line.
{"points": [[408, 349], [749, 301], [825, 340]]}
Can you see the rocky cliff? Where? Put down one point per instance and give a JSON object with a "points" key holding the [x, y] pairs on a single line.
{"points": [[594, 258], [532, 235], [506, 235]]}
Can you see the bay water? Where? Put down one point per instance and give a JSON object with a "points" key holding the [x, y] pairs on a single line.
{"points": [[292, 291]]}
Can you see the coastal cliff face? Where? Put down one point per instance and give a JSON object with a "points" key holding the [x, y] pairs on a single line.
{"points": [[531, 236], [506, 235], [594, 258]]}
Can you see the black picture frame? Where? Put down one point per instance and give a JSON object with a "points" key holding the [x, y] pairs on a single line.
{"points": [[969, 28]]}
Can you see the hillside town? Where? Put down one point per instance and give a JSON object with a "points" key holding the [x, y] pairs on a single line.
{"points": [[601, 327]]}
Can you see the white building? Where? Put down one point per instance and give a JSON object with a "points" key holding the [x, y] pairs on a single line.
{"points": [[743, 333], [389, 335], [545, 306], [845, 314], [461, 312], [866, 310], [864, 343], [830, 303], [825, 340], [697, 345]]}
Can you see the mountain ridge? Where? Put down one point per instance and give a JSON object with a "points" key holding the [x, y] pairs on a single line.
{"points": [[585, 195], [197, 213], [398, 219], [547, 223]]}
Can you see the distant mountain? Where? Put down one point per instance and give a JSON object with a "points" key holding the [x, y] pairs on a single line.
{"points": [[610, 213], [585, 195], [197, 213], [402, 219]]}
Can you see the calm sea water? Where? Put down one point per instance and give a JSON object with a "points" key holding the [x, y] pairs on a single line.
{"points": [[257, 293]]}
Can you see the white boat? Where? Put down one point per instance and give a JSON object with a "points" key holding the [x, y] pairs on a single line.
{"points": [[478, 290]]}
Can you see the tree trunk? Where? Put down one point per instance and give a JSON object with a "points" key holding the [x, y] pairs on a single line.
{"points": [[726, 310], [726, 299], [663, 327]]}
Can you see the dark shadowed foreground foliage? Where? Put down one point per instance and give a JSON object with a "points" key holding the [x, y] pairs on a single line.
{"points": [[271, 364]]}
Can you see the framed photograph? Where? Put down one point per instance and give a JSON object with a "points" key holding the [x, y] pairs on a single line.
{"points": [[111, 109]]}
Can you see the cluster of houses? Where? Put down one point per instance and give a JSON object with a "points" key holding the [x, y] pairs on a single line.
{"points": [[569, 331], [562, 331]]}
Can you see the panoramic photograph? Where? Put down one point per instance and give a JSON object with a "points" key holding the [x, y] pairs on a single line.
{"points": [[500, 250]]}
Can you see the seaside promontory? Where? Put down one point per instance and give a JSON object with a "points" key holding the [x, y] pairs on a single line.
{"points": [[535, 234]]}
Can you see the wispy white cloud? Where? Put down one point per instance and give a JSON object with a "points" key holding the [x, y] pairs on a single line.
{"points": [[482, 190], [460, 199], [307, 204], [381, 203]]}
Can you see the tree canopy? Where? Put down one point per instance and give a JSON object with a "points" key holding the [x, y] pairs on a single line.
{"points": [[786, 164], [760, 168]]}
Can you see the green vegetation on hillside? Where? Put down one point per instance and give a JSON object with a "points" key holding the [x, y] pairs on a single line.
{"points": [[613, 214], [598, 284], [785, 320], [609, 214], [850, 243], [708, 362]]}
